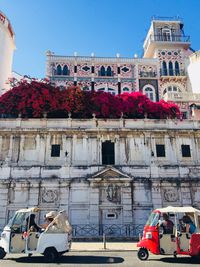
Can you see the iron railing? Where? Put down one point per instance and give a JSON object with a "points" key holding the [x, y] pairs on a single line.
{"points": [[145, 74], [110, 230], [172, 72], [170, 38]]}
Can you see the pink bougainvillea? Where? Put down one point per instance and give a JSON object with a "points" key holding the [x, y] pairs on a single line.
{"points": [[33, 99]]}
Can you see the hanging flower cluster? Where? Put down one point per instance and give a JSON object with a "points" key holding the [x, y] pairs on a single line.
{"points": [[33, 99]]}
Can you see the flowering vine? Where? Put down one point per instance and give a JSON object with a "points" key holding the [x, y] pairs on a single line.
{"points": [[32, 99]]}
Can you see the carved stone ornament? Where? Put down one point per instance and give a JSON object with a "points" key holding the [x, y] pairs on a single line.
{"points": [[49, 196], [171, 195], [113, 193]]}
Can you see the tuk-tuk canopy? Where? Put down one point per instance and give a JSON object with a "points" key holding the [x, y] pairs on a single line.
{"points": [[171, 209], [33, 209]]}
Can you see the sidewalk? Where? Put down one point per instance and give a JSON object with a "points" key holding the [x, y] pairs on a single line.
{"points": [[99, 246]]}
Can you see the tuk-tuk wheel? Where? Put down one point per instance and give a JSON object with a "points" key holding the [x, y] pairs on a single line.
{"points": [[143, 254], [51, 254], [2, 253]]}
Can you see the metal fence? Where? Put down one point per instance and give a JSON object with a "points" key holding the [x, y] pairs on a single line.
{"points": [[110, 230]]}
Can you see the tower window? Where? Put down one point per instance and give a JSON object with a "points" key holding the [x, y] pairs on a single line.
{"points": [[177, 71], [171, 72], [164, 68], [108, 153], [185, 150], [55, 150], [160, 150]]}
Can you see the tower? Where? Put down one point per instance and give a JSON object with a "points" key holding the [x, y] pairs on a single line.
{"points": [[167, 42], [7, 46]]}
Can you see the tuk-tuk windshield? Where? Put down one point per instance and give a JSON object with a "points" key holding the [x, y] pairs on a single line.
{"points": [[17, 219], [153, 219]]}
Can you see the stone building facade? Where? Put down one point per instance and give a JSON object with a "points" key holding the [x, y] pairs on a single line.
{"points": [[107, 174], [7, 47]]}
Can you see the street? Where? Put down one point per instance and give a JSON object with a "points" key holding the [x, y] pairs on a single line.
{"points": [[102, 258]]}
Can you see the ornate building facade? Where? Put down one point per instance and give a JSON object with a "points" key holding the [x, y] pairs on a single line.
{"points": [[7, 46], [160, 74], [108, 174]]}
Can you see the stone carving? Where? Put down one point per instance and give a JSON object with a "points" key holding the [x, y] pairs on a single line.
{"points": [[49, 196], [171, 195], [113, 193]]}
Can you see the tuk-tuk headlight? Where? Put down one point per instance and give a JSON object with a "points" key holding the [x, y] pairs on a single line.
{"points": [[149, 235], [3, 235]]}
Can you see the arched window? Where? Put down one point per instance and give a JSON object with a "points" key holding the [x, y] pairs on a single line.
{"points": [[125, 89], [166, 34], [109, 71], [172, 89], [164, 68], [171, 72], [102, 71], [177, 70], [59, 70], [86, 88], [111, 91], [65, 70], [101, 89], [149, 92]]}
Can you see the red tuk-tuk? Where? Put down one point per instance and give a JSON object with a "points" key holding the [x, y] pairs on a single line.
{"points": [[178, 242]]}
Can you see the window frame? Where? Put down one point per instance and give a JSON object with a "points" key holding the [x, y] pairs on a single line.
{"points": [[54, 151], [160, 153]]}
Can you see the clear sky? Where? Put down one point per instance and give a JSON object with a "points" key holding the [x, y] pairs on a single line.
{"points": [[105, 27]]}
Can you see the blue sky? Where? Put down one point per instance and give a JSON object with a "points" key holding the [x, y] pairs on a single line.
{"points": [[105, 27]]}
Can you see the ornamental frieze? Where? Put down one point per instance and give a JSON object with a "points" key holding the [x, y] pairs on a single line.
{"points": [[49, 195], [113, 193], [170, 195]]}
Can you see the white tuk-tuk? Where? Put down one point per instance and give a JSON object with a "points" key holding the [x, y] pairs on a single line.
{"points": [[52, 241]]}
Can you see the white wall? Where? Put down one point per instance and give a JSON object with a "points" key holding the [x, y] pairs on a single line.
{"points": [[194, 71]]}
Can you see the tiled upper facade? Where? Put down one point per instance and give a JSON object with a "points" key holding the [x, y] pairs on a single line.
{"points": [[160, 74]]}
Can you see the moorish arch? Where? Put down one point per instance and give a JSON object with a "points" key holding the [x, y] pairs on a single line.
{"points": [[149, 91], [172, 87]]}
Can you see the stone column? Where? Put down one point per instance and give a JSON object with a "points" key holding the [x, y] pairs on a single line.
{"points": [[34, 193], [156, 194], [127, 203], [9, 157], [94, 204], [4, 189], [64, 196], [21, 149]]}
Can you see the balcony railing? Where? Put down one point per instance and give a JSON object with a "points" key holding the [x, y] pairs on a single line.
{"points": [[146, 74], [172, 72], [183, 97], [170, 38]]}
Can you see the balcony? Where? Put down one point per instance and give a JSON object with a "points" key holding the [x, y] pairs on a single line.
{"points": [[182, 97], [147, 74], [152, 41], [172, 75], [170, 38], [172, 72]]}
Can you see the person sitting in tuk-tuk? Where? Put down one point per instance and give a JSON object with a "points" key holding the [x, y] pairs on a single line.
{"points": [[167, 224], [189, 225], [49, 217], [31, 225]]}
